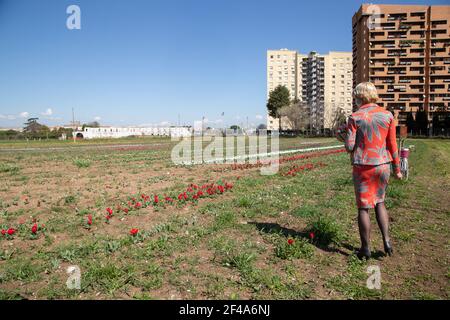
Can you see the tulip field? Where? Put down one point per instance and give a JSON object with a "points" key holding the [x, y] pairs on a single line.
{"points": [[138, 226]]}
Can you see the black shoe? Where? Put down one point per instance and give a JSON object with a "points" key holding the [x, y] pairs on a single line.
{"points": [[364, 253], [388, 248]]}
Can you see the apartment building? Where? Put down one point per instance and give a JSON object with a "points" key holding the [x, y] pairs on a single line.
{"points": [[327, 87], [405, 51], [284, 67], [323, 82]]}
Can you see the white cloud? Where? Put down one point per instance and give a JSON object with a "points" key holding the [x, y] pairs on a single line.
{"points": [[24, 114], [164, 123], [97, 118], [258, 116], [47, 112], [7, 117]]}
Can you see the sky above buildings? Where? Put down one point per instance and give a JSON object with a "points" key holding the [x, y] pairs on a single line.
{"points": [[156, 62]]}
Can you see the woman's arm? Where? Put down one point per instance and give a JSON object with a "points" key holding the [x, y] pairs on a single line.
{"points": [[351, 135], [391, 144]]}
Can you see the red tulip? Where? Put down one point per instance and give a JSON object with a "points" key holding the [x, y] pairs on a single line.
{"points": [[109, 210], [89, 220], [134, 232], [125, 210], [221, 189], [311, 235], [34, 228], [3, 232], [11, 231], [138, 205], [156, 200], [290, 241]]}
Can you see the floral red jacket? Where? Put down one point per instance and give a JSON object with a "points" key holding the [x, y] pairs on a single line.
{"points": [[371, 137]]}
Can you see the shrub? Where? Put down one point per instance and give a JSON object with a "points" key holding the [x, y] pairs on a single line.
{"points": [[326, 230]]}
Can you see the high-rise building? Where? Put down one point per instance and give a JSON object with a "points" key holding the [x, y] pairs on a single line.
{"points": [[405, 51], [284, 67], [327, 87], [322, 82]]}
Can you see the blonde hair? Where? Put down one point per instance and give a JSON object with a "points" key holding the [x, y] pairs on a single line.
{"points": [[365, 92]]}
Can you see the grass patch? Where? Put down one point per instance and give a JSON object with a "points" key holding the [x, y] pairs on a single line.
{"points": [[9, 168], [82, 163], [297, 248]]}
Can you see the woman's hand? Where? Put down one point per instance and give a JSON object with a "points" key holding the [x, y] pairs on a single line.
{"points": [[398, 176], [341, 132]]}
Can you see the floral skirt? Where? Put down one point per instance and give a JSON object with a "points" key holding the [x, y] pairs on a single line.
{"points": [[370, 184]]}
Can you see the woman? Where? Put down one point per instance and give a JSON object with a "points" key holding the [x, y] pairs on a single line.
{"points": [[370, 139]]}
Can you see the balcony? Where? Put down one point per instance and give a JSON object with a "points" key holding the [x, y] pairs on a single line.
{"points": [[412, 80], [439, 71], [376, 35], [417, 35], [438, 52], [411, 99], [439, 34], [440, 89], [416, 54], [412, 63]]}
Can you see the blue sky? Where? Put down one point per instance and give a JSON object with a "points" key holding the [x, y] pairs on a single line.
{"points": [[139, 62]]}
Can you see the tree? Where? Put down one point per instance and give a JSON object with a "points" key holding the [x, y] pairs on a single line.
{"points": [[33, 129], [296, 114], [278, 98], [337, 119], [235, 127], [262, 126], [93, 124], [10, 134]]}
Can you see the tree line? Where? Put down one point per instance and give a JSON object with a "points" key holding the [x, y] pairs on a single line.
{"points": [[34, 130]]}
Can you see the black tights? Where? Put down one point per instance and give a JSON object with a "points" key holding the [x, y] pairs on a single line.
{"points": [[364, 224]]}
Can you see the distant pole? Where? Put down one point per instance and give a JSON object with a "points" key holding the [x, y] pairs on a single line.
{"points": [[179, 122], [73, 119], [203, 119]]}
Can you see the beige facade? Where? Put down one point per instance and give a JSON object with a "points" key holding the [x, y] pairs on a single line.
{"points": [[405, 51], [338, 81], [323, 82], [284, 67]]}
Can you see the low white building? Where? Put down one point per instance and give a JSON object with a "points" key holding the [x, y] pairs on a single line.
{"points": [[121, 132]]}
